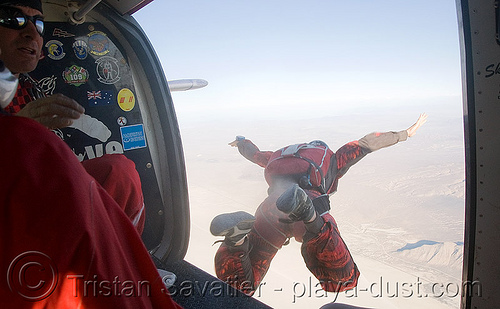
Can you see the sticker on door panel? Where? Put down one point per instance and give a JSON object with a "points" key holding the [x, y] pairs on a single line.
{"points": [[81, 49], [98, 43], [75, 75], [99, 97], [55, 50], [126, 99], [133, 137], [92, 127], [108, 70]]}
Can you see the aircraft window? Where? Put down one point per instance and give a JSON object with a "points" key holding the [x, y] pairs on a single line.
{"points": [[297, 72]]}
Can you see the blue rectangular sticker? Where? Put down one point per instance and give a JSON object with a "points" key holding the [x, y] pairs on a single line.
{"points": [[133, 137]]}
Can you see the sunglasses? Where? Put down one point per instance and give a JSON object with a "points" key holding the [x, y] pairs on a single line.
{"points": [[14, 18]]}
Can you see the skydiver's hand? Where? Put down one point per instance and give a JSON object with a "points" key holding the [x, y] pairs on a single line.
{"points": [[238, 139], [57, 111], [420, 121]]}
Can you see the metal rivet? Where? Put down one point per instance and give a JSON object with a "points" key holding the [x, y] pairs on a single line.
{"points": [[149, 165]]}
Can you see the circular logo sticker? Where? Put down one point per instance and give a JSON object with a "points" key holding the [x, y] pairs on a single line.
{"points": [[126, 99], [81, 49], [75, 75], [98, 43], [121, 121], [108, 70], [55, 50]]}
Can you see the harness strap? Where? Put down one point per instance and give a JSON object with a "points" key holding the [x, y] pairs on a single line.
{"points": [[321, 187], [293, 151]]}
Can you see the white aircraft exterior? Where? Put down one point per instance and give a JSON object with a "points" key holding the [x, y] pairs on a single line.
{"points": [[186, 84]]}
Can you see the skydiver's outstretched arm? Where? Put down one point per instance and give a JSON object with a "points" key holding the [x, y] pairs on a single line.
{"points": [[352, 152], [420, 121], [376, 141], [250, 151]]}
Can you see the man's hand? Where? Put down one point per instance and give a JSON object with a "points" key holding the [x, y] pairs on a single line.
{"points": [[57, 111], [420, 121]]}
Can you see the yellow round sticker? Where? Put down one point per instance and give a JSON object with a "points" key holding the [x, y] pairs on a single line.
{"points": [[126, 99]]}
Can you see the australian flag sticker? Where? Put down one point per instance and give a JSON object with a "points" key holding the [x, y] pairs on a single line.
{"points": [[133, 137], [99, 97]]}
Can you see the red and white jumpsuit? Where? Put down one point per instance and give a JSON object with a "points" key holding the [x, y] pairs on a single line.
{"points": [[323, 249]]}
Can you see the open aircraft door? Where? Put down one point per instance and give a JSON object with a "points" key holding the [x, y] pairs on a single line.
{"points": [[480, 48], [107, 65], [97, 54]]}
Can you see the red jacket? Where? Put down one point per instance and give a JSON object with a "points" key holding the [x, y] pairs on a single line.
{"points": [[65, 242]]}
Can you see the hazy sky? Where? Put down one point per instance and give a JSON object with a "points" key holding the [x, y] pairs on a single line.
{"points": [[386, 59], [263, 57]]}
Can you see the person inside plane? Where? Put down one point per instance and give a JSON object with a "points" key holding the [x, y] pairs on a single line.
{"points": [[301, 178], [65, 241], [22, 30]]}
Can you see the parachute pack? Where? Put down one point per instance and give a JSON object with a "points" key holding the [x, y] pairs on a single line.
{"points": [[305, 163]]}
